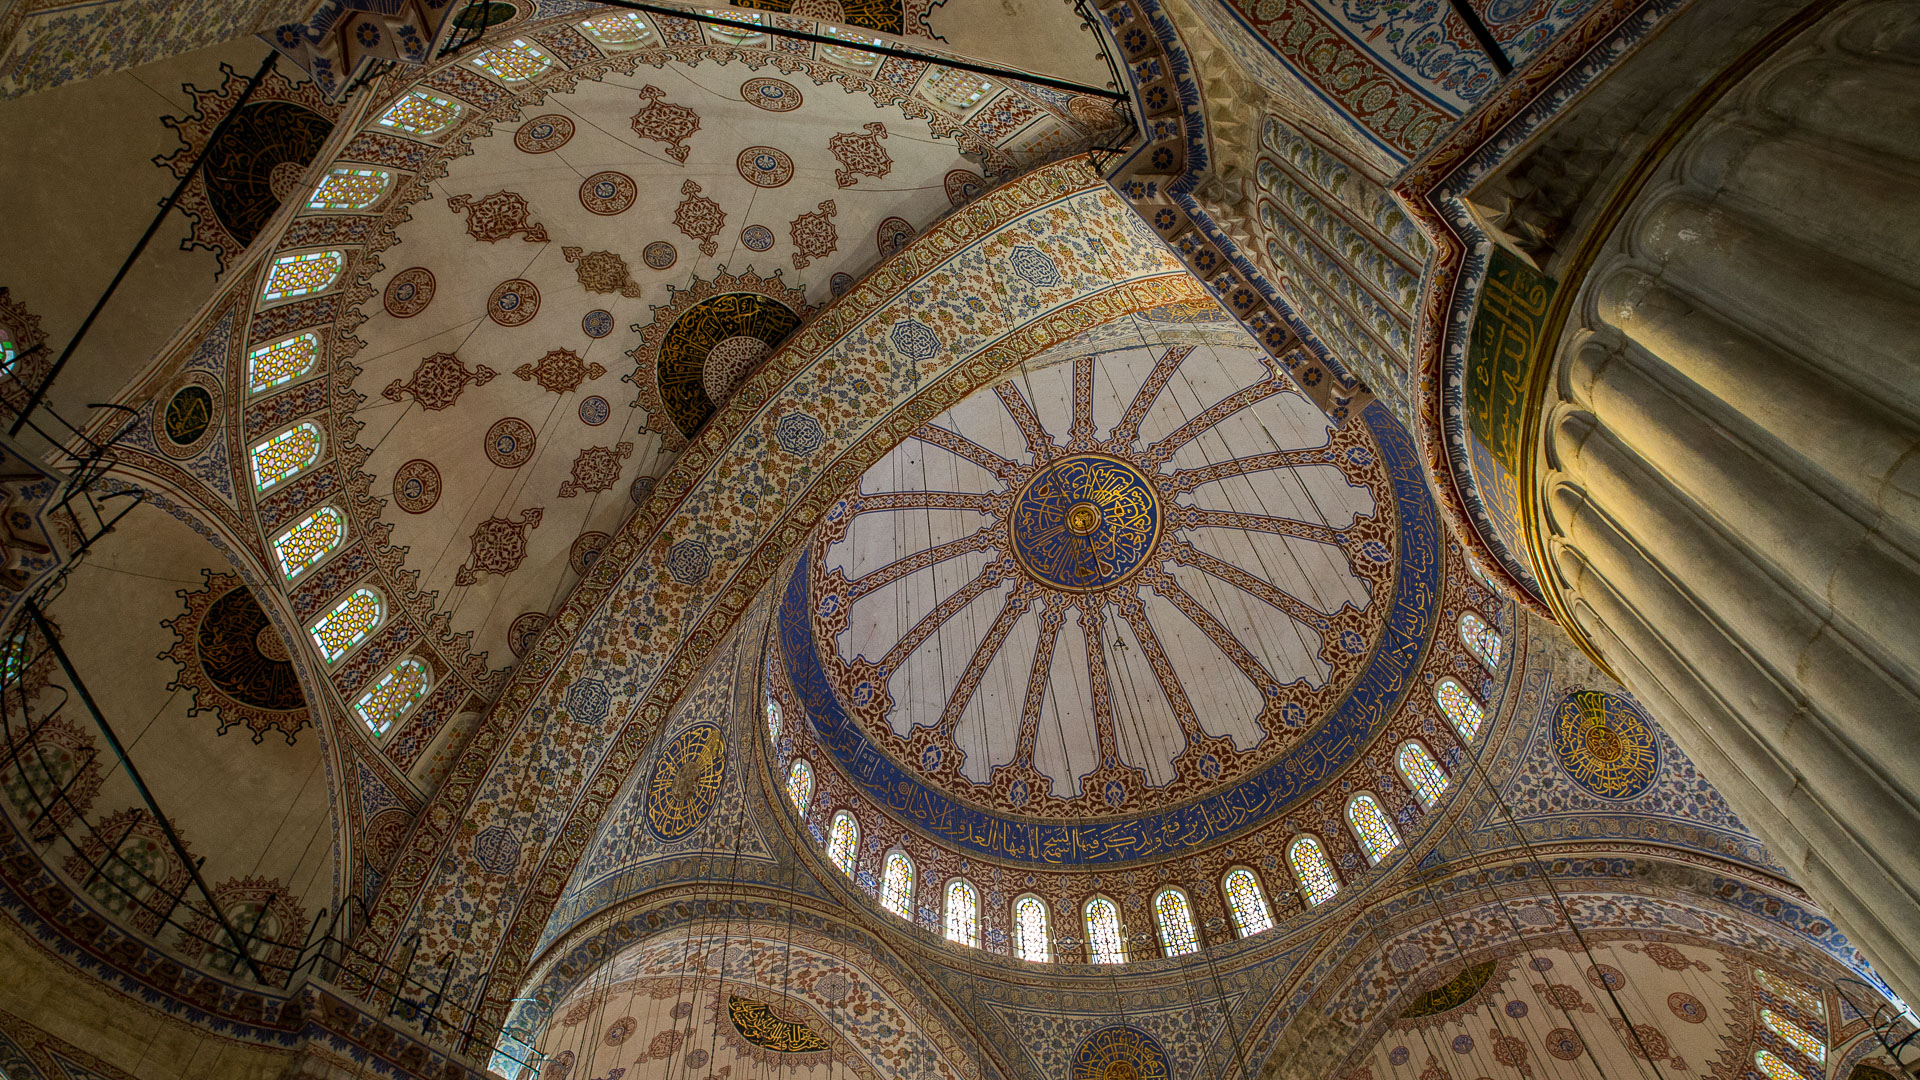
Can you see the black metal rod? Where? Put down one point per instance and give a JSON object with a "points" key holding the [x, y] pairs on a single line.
{"points": [[113, 742], [40, 391], [866, 46], [1484, 36]]}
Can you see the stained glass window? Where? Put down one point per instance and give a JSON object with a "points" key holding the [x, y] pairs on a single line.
{"points": [[350, 189], [1421, 772], [1312, 870], [421, 113], [1462, 711], [774, 718], [896, 885], [284, 455], [1247, 902], [955, 89], [1773, 1068], [1104, 942], [298, 275], [620, 30], [800, 784], [1030, 930], [1175, 916], [1481, 639], [14, 663], [281, 362], [737, 35], [8, 354], [1801, 1039], [854, 58], [309, 541], [395, 695], [843, 839], [1371, 825], [963, 913], [1481, 573], [347, 625], [1789, 991], [513, 62]]}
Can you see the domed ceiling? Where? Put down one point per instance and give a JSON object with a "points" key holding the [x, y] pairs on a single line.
{"points": [[1153, 588]]}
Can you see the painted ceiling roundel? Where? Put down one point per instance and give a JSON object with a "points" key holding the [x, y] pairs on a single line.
{"points": [[1123, 586]]}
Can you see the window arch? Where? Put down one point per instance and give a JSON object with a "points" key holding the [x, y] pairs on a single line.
{"points": [[1773, 1068], [619, 30], [896, 885], [775, 717], [1175, 918], [284, 455], [1105, 943], [281, 362], [1312, 870], [348, 624], [963, 912], [843, 841], [1370, 824], [1247, 902], [395, 694], [1790, 991], [1421, 772], [1796, 1036], [1030, 930], [800, 784], [348, 188], [955, 89], [1462, 711], [739, 35], [1482, 640], [298, 275], [313, 538], [514, 62], [421, 113]]}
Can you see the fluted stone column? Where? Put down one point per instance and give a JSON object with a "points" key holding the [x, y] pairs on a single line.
{"points": [[1729, 497]]}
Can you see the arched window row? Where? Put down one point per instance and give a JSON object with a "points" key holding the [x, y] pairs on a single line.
{"points": [[1481, 640], [1106, 943], [896, 885], [1460, 709], [393, 695], [286, 455], [348, 188], [310, 540], [1371, 827], [1420, 771], [348, 624], [281, 362], [843, 841], [775, 717], [309, 272], [422, 113], [514, 62]]}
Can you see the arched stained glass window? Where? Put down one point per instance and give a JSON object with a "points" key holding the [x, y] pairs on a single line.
{"points": [[955, 89], [896, 885], [1480, 572], [843, 840], [1370, 824], [1462, 711], [1773, 1068], [1175, 916], [1105, 944], [853, 58], [298, 275], [1030, 930], [1482, 641], [281, 362], [738, 35], [347, 625], [1790, 991], [515, 62], [421, 113], [309, 541], [619, 30], [1421, 772], [1312, 870], [1247, 902], [9, 353], [1800, 1038], [963, 913], [394, 695], [348, 188], [800, 784], [775, 716], [285, 455]]}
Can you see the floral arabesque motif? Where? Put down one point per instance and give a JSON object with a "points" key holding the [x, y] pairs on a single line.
{"points": [[438, 381], [498, 546]]}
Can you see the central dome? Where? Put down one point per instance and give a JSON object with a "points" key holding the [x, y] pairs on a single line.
{"points": [[1152, 586]]}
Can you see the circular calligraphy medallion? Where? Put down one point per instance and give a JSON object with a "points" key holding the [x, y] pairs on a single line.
{"points": [[510, 443], [765, 166], [594, 410], [586, 551], [756, 237], [658, 255], [190, 417], [1605, 745], [543, 133], [1084, 522], [597, 323], [608, 193], [1120, 1052], [524, 629], [416, 486], [513, 302], [772, 95], [686, 781], [409, 292]]}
